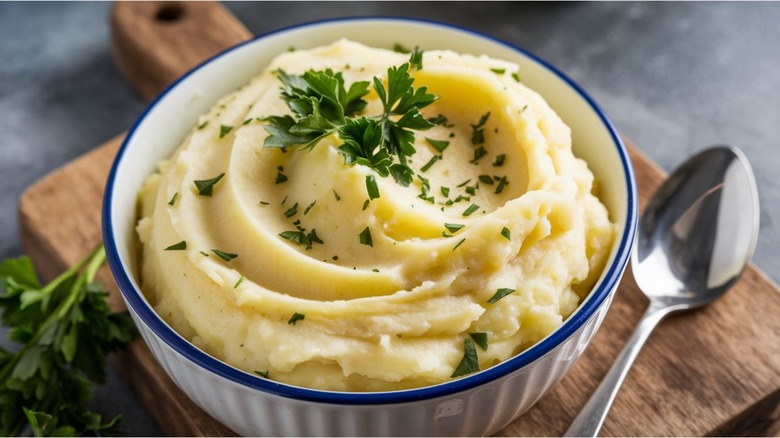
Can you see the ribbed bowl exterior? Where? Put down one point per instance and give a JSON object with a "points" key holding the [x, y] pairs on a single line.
{"points": [[478, 411]]}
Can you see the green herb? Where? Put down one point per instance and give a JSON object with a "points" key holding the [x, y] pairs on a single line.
{"points": [[365, 237], [501, 293], [292, 211], [238, 283], [445, 191], [203, 125], [486, 179], [416, 60], [399, 48], [375, 270], [452, 228], [470, 363], [478, 153], [224, 130], [498, 70], [501, 184], [371, 187], [441, 119], [430, 163], [308, 208], [226, 256], [471, 190], [173, 199], [295, 318], [322, 106], [478, 130], [265, 203], [439, 145], [204, 253], [464, 183], [262, 373], [458, 244], [280, 178], [471, 209], [516, 76], [246, 122], [65, 330], [177, 246], [506, 233], [481, 339], [301, 237], [338, 198], [206, 186], [499, 161]]}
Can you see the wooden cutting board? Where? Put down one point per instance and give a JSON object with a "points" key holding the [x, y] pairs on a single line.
{"points": [[715, 371]]}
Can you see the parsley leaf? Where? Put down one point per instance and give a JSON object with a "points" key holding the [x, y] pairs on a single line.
{"points": [[206, 186], [469, 363], [226, 256], [295, 318], [501, 293]]}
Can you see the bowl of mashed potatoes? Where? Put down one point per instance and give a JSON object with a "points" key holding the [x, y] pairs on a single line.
{"points": [[370, 227]]}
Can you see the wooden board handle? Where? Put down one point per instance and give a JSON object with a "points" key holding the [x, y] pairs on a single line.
{"points": [[154, 43]]}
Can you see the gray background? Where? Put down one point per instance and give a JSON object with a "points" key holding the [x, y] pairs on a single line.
{"points": [[673, 77]]}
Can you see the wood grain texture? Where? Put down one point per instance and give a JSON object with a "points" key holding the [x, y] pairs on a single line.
{"points": [[154, 43], [711, 371]]}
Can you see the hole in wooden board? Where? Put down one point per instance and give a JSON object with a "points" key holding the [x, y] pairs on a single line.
{"points": [[169, 13]]}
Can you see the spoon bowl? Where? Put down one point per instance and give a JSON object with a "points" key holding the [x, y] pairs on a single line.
{"points": [[694, 240], [699, 230]]}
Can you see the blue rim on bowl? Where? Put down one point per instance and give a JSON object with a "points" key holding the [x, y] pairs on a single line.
{"points": [[139, 305]]}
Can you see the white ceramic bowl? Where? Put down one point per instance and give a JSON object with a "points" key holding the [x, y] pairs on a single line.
{"points": [[478, 404]]}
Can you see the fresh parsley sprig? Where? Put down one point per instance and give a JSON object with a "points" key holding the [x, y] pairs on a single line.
{"points": [[322, 105], [65, 329]]}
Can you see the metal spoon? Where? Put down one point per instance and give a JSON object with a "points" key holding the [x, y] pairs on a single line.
{"points": [[694, 240]]}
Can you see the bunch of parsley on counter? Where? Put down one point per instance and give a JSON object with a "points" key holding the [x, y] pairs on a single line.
{"points": [[65, 330]]}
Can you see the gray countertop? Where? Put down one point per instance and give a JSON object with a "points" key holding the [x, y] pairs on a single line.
{"points": [[673, 77]]}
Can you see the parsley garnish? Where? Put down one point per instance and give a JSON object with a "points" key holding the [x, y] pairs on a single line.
{"points": [[295, 318], [365, 237], [203, 125], [486, 179], [471, 209], [445, 191], [262, 373], [506, 233], [301, 237], [371, 187], [280, 178], [470, 363], [224, 130], [501, 293], [238, 283], [430, 163], [499, 71], [65, 330], [481, 339], [499, 161], [478, 130], [452, 228], [458, 244], [308, 208], [478, 153], [177, 246], [322, 105], [338, 198], [292, 211], [206, 186], [439, 145], [501, 184], [226, 256], [173, 199]]}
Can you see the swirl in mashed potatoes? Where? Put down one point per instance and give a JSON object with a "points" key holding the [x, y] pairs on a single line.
{"points": [[497, 245]]}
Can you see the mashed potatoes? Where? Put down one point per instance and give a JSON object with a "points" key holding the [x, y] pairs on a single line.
{"points": [[285, 263]]}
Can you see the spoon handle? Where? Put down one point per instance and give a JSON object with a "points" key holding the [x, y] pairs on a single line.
{"points": [[588, 422]]}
